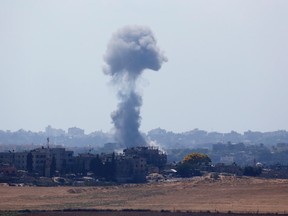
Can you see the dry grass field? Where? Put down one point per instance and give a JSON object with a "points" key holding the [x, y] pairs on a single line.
{"points": [[196, 194], [134, 213]]}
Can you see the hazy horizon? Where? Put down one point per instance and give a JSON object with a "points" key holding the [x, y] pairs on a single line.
{"points": [[111, 130], [227, 67]]}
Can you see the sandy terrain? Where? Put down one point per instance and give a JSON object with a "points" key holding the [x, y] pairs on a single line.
{"points": [[197, 194], [136, 213]]}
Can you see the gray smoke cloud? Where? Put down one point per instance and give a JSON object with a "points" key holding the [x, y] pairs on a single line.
{"points": [[131, 50]]}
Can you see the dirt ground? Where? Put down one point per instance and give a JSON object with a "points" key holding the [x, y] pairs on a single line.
{"points": [[151, 213], [197, 194]]}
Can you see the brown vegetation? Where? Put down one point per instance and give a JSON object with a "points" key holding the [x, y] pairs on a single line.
{"points": [[196, 194]]}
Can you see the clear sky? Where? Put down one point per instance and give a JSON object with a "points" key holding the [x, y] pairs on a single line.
{"points": [[227, 64]]}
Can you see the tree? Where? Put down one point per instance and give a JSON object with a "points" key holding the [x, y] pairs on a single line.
{"points": [[196, 159], [186, 170], [252, 171], [191, 163]]}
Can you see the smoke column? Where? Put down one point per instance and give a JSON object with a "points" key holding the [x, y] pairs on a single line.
{"points": [[131, 50]]}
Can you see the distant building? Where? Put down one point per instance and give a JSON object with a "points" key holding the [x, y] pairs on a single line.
{"points": [[53, 131], [152, 155], [7, 157], [39, 157], [82, 162], [42, 159], [17, 159], [227, 160], [75, 132], [132, 165], [131, 169], [281, 147], [20, 160]]}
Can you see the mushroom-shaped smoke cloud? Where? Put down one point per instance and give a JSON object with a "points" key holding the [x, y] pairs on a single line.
{"points": [[131, 50]]}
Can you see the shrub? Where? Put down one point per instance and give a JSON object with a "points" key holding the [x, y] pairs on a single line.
{"points": [[252, 171]]}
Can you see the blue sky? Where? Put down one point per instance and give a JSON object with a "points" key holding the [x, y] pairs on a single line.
{"points": [[226, 70]]}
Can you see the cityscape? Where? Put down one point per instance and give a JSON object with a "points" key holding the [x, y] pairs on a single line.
{"points": [[143, 108], [96, 157]]}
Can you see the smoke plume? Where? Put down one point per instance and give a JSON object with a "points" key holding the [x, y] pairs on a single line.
{"points": [[131, 50]]}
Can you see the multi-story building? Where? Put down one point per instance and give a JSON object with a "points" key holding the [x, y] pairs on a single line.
{"points": [[18, 159], [7, 157], [130, 166], [153, 156], [131, 169], [42, 159], [82, 162]]}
